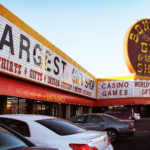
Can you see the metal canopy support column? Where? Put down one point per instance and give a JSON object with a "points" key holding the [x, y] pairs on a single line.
{"points": [[67, 111], [80, 110], [3, 104], [90, 109]]}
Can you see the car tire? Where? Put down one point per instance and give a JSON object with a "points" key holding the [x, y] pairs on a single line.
{"points": [[113, 135]]}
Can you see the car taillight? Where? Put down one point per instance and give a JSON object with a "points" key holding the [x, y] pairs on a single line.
{"points": [[109, 141], [82, 147], [78, 131], [137, 115], [131, 127]]}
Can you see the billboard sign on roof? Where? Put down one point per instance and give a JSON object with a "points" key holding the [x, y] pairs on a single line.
{"points": [[29, 58], [137, 48], [115, 89]]}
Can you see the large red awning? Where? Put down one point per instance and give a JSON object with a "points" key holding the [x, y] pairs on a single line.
{"points": [[13, 87], [123, 101]]}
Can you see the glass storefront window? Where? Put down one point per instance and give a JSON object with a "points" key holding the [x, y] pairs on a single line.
{"points": [[16, 106], [22, 106], [12, 105], [40, 108]]}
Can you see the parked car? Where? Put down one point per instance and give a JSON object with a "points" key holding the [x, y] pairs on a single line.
{"points": [[137, 116], [119, 115], [126, 111], [56, 132], [115, 127], [11, 140]]}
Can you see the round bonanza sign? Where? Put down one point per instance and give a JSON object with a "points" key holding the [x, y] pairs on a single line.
{"points": [[137, 48]]}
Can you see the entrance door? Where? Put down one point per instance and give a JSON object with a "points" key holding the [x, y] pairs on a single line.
{"points": [[40, 108]]}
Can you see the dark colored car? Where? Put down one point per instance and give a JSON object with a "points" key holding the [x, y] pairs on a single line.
{"points": [[119, 115], [115, 127], [126, 111], [11, 140]]}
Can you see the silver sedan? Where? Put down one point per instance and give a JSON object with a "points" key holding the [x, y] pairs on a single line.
{"points": [[115, 127]]}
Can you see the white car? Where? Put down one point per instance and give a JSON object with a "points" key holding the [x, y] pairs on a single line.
{"points": [[136, 116], [56, 132]]}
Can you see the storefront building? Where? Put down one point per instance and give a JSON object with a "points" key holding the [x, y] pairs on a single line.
{"points": [[132, 91], [129, 91], [38, 78]]}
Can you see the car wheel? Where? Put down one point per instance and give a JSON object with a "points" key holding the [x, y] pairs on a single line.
{"points": [[113, 135]]}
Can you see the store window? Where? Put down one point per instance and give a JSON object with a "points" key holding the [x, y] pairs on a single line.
{"points": [[22, 106], [16, 106], [12, 105], [57, 110], [40, 108]]}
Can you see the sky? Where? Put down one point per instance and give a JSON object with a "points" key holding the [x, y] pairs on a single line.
{"points": [[91, 32]]}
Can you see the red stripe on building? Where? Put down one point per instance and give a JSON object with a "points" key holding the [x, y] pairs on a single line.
{"points": [[13, 87]]}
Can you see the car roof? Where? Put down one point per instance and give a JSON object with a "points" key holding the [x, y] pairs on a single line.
{"points": [[92, 114], [26, 116], [122, 108], [114, 112]]}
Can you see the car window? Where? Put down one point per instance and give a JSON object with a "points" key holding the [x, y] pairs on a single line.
{"points": [[120, 115], [17, 125], [93, 119], [127, 112], [61, 127], [113, 114], [77, 119], [116, 110], [9, 140]]}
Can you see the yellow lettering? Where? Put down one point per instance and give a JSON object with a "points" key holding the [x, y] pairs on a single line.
{"points": [[46, 60], [147, 58], [47, 96], [145, 24], [140, 57], [139, 66], [134, 37], [55, 98], [144, 47], [147, 68], [138, 29]]}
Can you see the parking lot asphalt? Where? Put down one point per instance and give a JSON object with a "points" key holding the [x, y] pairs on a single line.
{"points": [[141, 139]]}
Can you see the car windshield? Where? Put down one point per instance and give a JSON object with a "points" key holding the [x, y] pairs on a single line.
{"points": [[9, 140], [61, 127]]}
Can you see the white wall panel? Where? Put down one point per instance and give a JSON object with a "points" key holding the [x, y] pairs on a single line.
{"points": [[115, 89], [67, 76], [142, 88]]}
